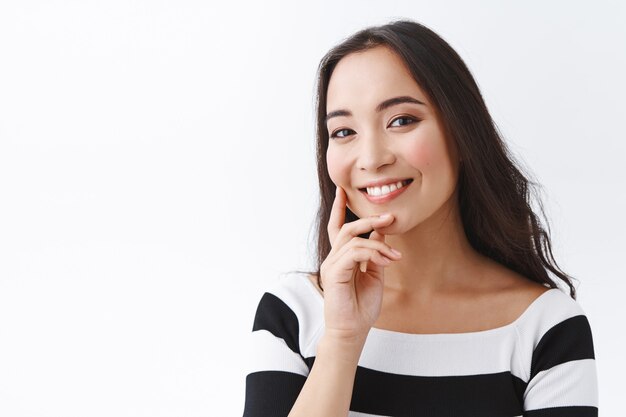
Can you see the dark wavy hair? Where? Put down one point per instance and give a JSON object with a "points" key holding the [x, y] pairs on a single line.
{"points": [[494, 195]]}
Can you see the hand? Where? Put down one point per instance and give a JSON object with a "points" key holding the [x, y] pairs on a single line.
{"points": [[352, 298]]}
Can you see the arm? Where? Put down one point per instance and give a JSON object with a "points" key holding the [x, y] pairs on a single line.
{"points": [[352, 302], [328, 389], [563, 379]]}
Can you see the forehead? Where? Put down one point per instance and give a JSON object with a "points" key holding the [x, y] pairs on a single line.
{"points": [[366, 78]]}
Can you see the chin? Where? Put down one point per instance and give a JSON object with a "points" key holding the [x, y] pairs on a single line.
{"points": [[394, 228]]}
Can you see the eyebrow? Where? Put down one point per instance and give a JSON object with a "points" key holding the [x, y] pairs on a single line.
{"points": [[382, 106]]}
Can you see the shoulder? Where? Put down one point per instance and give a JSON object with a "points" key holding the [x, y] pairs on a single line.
{"points": [[291, 309], [313, 279], [554, 330], [550, 310], [297, 291], [558, 357], [518, 297]]}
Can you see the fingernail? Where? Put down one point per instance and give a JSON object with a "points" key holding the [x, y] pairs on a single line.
{"points": [[384, 216], [396, 252]]}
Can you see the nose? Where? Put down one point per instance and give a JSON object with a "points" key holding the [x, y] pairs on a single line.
{"points": [[374, 152]]}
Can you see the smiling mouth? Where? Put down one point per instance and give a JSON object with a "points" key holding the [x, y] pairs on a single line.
{"points": [[385, 189]]}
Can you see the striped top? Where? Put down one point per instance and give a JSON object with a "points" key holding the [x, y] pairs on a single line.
{"points": [[540, 365]]}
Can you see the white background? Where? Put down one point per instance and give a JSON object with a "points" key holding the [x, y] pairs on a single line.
{"points": [[157, 173]]}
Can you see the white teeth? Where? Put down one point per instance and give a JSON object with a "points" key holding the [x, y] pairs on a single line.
{"points": [[385, 189]]}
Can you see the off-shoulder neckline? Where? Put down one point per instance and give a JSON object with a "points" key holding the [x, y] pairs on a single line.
{"points": [[385, 333]]}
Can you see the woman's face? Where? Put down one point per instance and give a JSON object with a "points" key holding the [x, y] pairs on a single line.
{"points": [[370, 141]]}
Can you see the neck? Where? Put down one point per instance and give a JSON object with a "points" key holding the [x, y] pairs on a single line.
{"points": [[436, 256]]}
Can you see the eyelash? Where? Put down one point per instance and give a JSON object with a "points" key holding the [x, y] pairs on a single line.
{"points": [[412, 119]]}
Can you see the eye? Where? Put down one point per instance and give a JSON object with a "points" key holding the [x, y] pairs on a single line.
{"points": [[334, 134], [412, 120]]}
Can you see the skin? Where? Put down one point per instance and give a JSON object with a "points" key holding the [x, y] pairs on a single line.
{"points": [[439, 276]]}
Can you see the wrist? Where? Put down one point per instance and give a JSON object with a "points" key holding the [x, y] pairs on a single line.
{"points": [[345, 338], [341, 347]]}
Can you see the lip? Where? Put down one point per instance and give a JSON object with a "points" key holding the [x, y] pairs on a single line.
{"points": [[381, 199]]}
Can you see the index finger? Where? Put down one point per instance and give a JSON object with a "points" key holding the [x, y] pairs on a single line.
{"points": [[337, 214], [375, 235]]}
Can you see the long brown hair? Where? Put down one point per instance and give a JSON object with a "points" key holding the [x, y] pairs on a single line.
{"points": [[494, 195]]}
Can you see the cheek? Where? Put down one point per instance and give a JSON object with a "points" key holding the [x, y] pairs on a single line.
{"points": [[338, 168], [421, 154]]}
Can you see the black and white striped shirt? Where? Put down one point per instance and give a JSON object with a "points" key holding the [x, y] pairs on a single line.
{"points": [[541, 365]]}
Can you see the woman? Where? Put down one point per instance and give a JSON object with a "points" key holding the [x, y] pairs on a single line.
{"points": [[432, 295]]}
